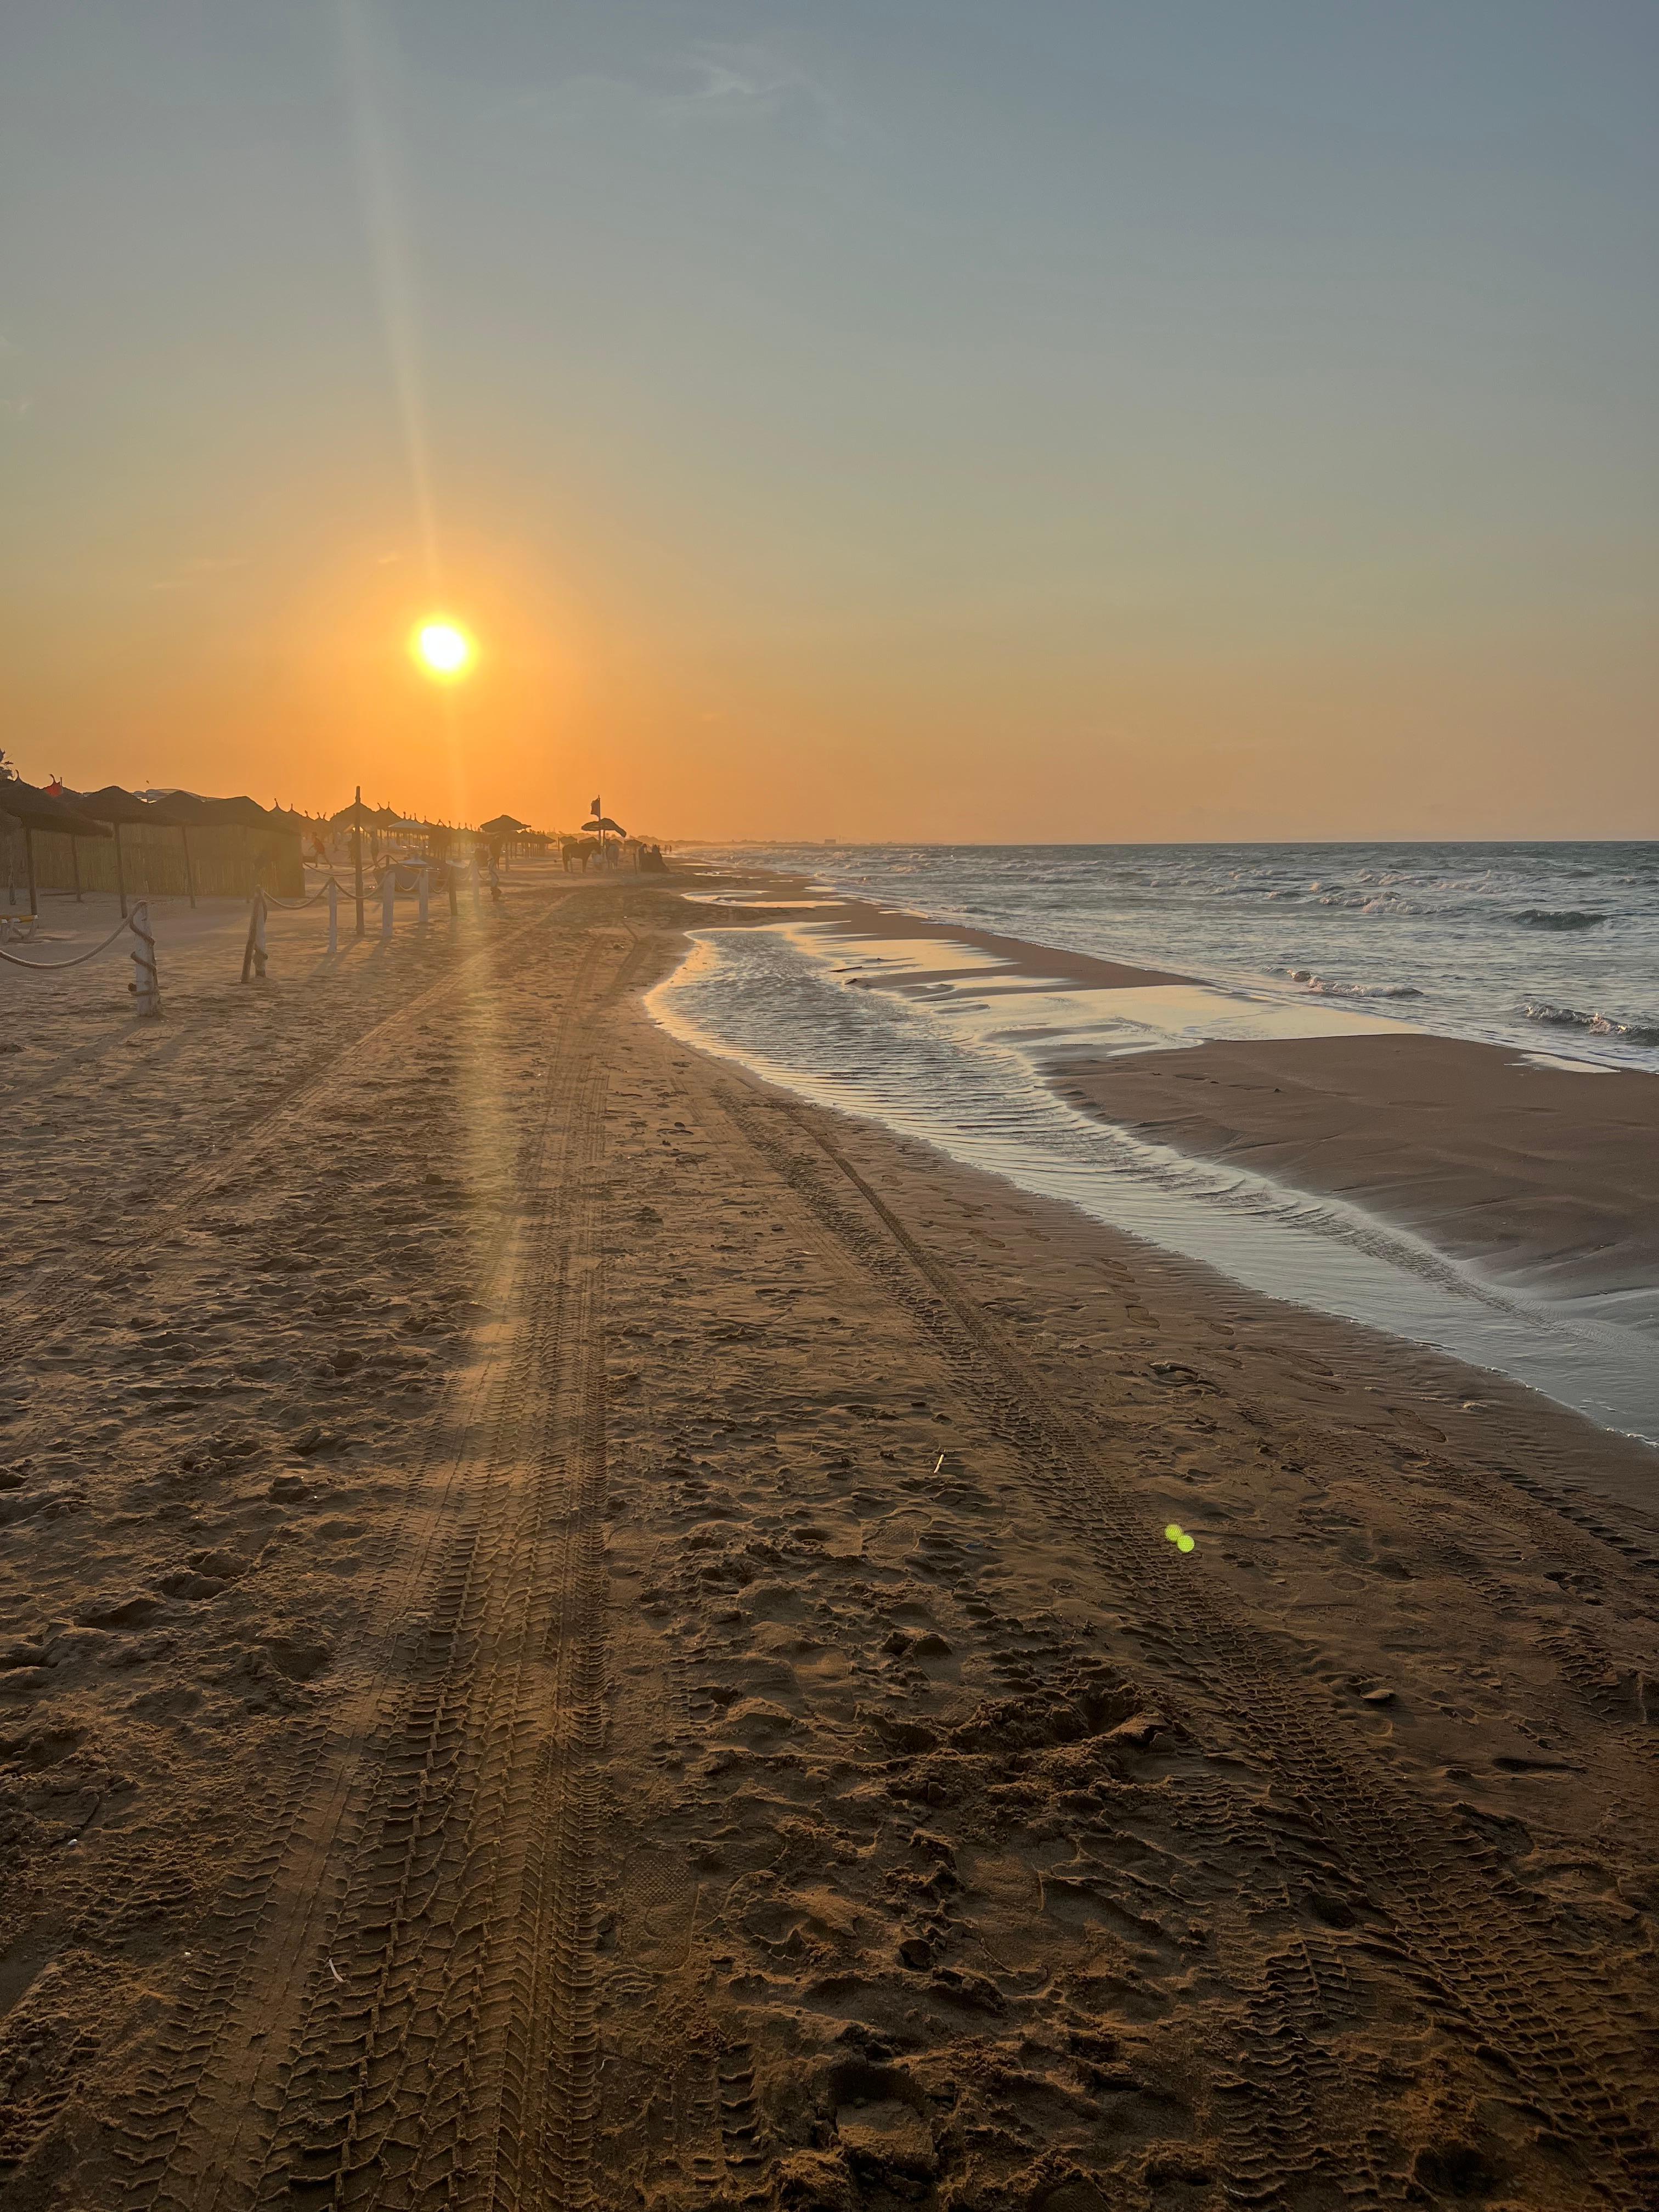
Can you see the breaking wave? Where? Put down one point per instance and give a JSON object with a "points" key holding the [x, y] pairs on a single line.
{"points": [[1569, 1018], [1328, 989], [1545, 917]]}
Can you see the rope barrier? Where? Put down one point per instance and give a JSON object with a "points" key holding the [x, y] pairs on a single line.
{"points": [[80, 959], [295, 905], [147, 988]]}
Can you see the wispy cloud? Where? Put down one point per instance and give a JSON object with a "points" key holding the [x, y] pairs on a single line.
{"points": [[740, 85]]}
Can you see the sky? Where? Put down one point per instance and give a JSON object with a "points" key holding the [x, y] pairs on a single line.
{"points": [[959, 420]]}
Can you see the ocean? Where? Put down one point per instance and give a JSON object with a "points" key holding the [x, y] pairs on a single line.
{"points": [[1551, 948]]}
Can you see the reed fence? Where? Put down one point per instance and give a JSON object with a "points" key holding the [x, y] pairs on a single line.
{"points": [[225, 861]]}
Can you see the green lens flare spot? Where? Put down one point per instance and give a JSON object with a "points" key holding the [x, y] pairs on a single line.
{"points": [[1186, 1543], [1173, 1532]]}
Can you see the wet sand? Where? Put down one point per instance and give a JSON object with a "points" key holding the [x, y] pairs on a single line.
{"points": [[856, 918], [1548, 1175], [579, 1630]]}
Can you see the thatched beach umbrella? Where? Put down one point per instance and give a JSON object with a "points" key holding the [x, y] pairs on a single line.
{"points": [[503, 829], [243, 813], [357, 817], [600, 828], [115, 806], [41, 810], [183, 811]]}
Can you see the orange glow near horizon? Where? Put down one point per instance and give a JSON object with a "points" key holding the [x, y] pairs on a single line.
{"points": [[824, 431], [444, 650]]}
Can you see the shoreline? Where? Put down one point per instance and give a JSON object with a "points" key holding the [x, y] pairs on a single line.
{"points": [[1541, 1176], [563, 1604]]}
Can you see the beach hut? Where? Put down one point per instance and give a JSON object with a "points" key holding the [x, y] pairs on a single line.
{"points": [[38, 810], [116, 807], [181, 810], [266, 856], [231, 853], [242, 813]]}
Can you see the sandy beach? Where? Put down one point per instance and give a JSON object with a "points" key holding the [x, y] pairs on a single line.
{"points": [[575, 1630]]}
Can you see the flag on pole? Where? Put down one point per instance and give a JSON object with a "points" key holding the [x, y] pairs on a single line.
{"points": [[594, 810]]}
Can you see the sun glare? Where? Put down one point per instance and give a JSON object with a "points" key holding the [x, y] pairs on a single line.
{"points": [[443, 650]]}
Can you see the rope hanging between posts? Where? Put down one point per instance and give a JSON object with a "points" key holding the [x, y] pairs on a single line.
{"points": [[296, 906], [80, 960]]}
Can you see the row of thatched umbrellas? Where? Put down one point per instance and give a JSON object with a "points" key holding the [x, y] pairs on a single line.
{"points": [[104, 813], [360, 816]]}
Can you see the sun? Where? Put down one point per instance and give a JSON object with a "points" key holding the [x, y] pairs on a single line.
{"points": [[442, 649]]}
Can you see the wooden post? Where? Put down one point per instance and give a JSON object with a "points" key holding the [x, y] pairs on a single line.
{"points": [[75, 868], [28, 862], [333, 916], [146, 986], [357, 862], [253, 954], [475, 879], [426, 885], [120, 873], [449, 885], [388, 901], [190, 874]]}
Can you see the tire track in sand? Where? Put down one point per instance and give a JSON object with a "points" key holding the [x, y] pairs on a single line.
{"points": [[393, 2006], [1485, 1955]]}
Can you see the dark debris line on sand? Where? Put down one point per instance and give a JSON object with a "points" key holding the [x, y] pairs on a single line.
{"points": [[581, 1634]]}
